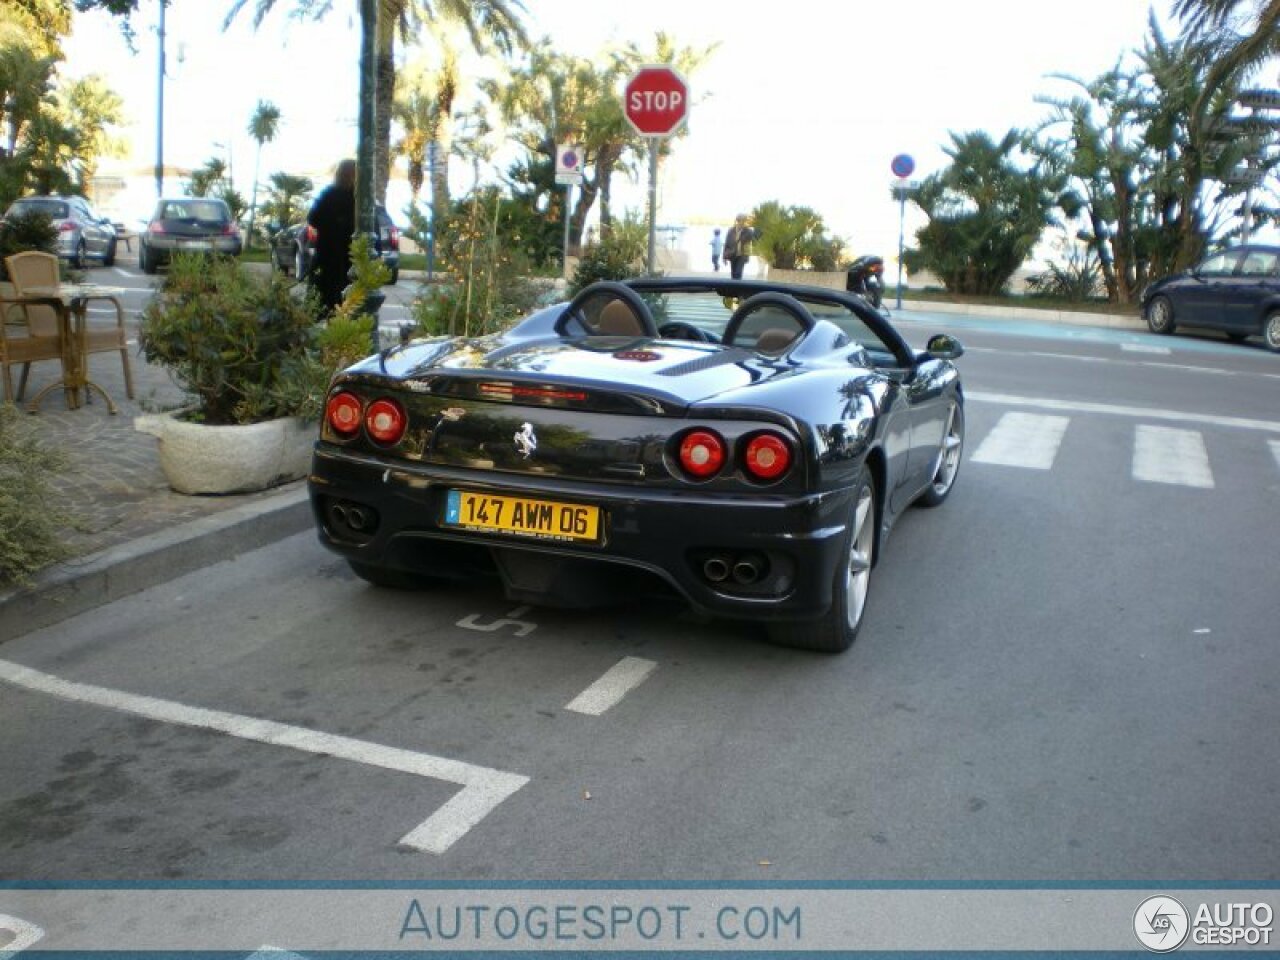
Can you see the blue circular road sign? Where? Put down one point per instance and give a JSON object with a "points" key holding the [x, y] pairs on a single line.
{"points": [[902, 165]]}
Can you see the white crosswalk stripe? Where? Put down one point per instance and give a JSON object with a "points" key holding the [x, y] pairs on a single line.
{"points": [[1029, 440], [1169, 455]]}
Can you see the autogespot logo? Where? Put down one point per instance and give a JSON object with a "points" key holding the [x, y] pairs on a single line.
{"points": [[1161, 924]]}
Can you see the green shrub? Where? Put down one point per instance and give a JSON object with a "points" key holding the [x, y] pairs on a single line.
{"points": [[29, 516], [303, 379], [607, 260], [28, 231], [226, 335]]}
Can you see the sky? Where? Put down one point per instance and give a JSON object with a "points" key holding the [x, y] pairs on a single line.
{"points": [[803, 101]]}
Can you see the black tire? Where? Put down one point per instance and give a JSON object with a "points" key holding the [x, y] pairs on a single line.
{"points": [[850, 589], [950, 453], [146, 261], [387, 578], [395, 276], [1271, 331], [77, 258], [1160, 317], [110, 259]]}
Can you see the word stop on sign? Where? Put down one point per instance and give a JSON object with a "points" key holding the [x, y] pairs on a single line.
{"points": [[660, 101]]}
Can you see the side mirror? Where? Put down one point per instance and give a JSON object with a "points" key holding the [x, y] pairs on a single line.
{"points": [[944, 347]]}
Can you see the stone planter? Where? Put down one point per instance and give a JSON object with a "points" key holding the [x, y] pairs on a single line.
{"points": [[197, 458]]}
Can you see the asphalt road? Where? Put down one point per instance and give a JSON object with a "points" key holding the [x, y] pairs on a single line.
{"points": [[1067, 673]]}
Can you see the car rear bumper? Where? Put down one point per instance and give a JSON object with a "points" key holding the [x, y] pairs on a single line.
{"points": [[163, 247], [779, 554]]}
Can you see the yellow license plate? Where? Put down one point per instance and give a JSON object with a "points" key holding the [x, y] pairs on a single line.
{"points": [[522, 516]]}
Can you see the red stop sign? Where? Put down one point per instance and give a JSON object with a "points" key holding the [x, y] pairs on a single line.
{"points": [[656, 101]]}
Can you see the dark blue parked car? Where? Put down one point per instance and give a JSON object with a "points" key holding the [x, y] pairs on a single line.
{"points": [[1235, 290]]}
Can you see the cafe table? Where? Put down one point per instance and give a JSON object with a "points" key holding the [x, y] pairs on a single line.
{"points": [[75, 299]]}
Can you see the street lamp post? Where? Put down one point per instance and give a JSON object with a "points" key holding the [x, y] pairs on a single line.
{"points": [[160, 105]]}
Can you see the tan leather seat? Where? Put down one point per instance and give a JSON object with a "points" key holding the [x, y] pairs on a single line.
{"points": [[617, 319], [774, 340]]}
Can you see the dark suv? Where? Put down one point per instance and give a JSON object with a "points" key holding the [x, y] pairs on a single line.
{"points": [[293, 247], [1235, 290]]}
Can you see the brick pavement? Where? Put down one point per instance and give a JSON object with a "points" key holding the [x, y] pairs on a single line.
{"points": [[113, 488]]}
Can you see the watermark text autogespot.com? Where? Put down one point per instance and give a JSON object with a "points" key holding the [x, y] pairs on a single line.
{"points": [[480, 924]]}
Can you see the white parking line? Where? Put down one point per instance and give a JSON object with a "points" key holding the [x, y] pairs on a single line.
{"points": [[1029, 440], [24, 935], [623, 677], [123, 273], [1146, 413], [482, 787], [1144, 348], [1169, 455]]}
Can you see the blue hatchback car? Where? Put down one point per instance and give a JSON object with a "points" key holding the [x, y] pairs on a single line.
{"points": [[1235, 290]]}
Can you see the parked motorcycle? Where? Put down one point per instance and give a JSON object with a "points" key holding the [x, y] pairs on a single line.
{"points": [[866, 278]]}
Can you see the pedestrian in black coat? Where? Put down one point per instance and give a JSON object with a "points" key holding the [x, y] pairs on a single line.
{"points": [[333, 216]]}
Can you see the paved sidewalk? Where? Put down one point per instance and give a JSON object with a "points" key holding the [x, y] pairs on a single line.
{"points": [[113, 488]]}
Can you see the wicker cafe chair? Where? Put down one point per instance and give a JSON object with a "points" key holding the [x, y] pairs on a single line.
{"points": [[43, 339], [35, 269]]}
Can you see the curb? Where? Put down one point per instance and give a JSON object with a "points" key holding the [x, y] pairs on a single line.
{"points": [[101, 578], [1113, 321]]}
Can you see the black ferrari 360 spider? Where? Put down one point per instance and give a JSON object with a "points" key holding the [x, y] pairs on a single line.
{"points": [[746, 445]]}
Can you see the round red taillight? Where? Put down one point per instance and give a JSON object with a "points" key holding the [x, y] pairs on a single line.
{"points": [[343, 413], [768, 456], [385, 421], [701, 454]]}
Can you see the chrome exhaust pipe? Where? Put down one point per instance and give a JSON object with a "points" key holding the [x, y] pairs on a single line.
{"points": [[338, 514], [746, 571], [356, 518], [716, 570]]}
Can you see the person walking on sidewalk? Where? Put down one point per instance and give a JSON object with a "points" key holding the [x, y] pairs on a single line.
{"points": [[717, 247], [737, 245], [333, 216]]}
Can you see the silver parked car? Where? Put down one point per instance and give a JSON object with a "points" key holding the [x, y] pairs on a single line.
{"points": [[82, 233], [187, 225]]}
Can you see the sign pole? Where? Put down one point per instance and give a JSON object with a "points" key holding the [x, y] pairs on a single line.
{"points": [[431, 230], [902, 166], [653, 200], [902, 216], [564, 256]]}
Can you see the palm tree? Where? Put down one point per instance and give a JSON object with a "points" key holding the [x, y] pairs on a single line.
{"points": [[1234, 37], [424, 109], [489, 25], [262, 127]]}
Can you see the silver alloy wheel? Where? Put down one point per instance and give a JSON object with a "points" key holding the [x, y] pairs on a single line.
{"points": [[1271, 333], [861, 545], [949, 456], [1160, 315]]}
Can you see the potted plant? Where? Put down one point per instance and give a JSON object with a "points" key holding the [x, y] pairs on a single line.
{"points": [[242, 346]]}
